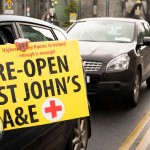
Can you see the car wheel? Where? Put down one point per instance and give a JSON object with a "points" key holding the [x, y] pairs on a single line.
{"points": [[148, 82], [134, 94], [79, 138]]}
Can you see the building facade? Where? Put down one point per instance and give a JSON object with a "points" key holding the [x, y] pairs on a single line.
{"points": [[110, 8], [42, 9], [33, 8], [100, 8], [47, 10]]}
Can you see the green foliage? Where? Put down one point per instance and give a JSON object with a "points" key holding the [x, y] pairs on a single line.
{"points": [[72, 8]]}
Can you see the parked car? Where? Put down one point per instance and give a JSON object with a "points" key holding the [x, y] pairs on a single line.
{"points": [[66, 135], [116, 55]]}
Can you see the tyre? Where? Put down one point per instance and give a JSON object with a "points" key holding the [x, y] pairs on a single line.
{"points": [[134, 94], [79, 138], [148, 82]]}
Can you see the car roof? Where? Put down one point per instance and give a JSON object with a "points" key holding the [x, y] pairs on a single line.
{"points": [[111, 19], [15, 18]]}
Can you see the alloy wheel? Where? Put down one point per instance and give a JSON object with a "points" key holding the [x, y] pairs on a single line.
{"points": [[136, 88], [80, 134]]}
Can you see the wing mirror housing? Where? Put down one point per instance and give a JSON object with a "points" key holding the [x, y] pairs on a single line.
{"points": [[146, 41]]}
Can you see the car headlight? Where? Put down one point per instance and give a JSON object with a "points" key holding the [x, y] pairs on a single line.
{"points": [[119, 63]]}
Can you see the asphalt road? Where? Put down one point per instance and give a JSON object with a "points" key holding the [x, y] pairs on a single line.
{"points": [[112, 122]]}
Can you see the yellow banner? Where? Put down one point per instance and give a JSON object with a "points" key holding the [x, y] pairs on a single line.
{"points": [[45, 84]]}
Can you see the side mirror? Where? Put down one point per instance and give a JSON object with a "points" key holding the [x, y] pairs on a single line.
{"points": [[146, 41]]}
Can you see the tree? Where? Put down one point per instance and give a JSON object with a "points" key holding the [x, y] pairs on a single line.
{"points": [[72, 8]]}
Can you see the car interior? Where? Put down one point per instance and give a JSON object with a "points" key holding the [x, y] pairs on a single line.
{"points": [[6, 35]]}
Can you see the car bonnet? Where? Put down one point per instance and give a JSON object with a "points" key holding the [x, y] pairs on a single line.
{"points": [[103, 51]]}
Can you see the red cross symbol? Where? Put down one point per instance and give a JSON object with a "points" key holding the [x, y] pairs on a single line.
{"points": [[53, 109]]}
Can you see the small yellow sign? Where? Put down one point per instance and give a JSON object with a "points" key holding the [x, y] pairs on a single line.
{"points": [[73, 17], [45, 84], [9, 4]]}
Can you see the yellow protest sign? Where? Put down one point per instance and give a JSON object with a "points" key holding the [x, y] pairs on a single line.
{"points": [[45, 84]]}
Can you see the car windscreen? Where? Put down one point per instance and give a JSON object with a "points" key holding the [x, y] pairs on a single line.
{"points": [[103, 31]]}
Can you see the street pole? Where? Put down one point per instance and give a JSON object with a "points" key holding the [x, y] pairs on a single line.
{"points": [[52, 11], [122, 7], [94, 8], [148, 11], [79, 9], [138, 9], [25, 7], [107, 8]]}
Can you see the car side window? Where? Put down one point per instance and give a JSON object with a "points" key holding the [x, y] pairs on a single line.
{"points": [[141, 33], [59, 35], [147, 29], [36, 34], [6, 34]]}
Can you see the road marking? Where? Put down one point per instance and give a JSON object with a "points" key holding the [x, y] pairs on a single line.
{"points": [[144, 142], [135, 133]]}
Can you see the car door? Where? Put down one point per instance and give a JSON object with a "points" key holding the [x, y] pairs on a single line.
{"points": [[147, 61], [143, 31], [37, 33], [51, 136]]}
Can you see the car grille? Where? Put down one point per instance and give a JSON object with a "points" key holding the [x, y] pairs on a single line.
{"points": [[92, 65]]}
